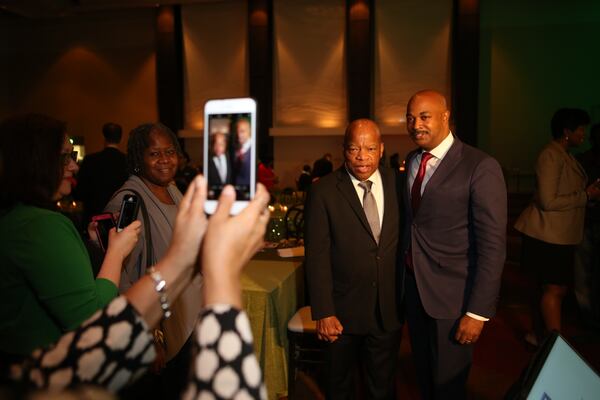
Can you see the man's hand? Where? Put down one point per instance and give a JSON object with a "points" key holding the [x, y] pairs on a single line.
{"points": [[329, 328], [468, 330]]}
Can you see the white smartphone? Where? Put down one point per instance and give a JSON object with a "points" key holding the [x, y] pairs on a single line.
{"points": [[230, 150]]}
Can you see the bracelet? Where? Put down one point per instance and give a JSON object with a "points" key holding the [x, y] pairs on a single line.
{"points": [[161, 289]]}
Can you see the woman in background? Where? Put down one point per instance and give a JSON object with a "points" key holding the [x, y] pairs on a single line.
{"points": [[46, 277], [552, 225], [153, 156]]}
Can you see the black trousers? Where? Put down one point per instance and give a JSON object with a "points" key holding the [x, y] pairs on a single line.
{"points": [[375, 353], [442, 363]]}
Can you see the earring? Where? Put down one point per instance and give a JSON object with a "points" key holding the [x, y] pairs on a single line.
{"points": [[136, 170]]}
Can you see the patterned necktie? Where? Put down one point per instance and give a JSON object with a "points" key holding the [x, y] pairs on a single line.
{"points": [[370, 207], [415, 192]]}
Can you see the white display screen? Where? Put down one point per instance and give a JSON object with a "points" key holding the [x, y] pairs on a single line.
{"points": [[565, 375]]}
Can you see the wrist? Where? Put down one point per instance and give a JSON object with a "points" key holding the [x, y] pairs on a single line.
{"points": [[223, 291], [114, 256]]}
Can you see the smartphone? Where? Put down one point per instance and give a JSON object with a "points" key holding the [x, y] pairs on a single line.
{"points": [[105, 224], [129, 210], [230, 150]]}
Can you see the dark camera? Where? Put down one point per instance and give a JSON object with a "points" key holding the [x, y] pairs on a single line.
{"points": [[129, 210]]}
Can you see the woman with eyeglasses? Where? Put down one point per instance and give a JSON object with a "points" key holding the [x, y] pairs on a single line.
{"points": [[46, 277]]}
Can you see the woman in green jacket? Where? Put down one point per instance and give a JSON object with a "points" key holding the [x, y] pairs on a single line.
{"points": [[46, 277]]}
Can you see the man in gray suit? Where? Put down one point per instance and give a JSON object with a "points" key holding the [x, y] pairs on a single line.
{"points": [[354, 276], [454, 241]]}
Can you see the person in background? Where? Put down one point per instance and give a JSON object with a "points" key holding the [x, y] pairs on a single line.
{"points": [[266, 175], [455, 246], [352, 224], [152, 155], [185, 172], [587, 255], [321, 167], [552, 224], [305, 179], [395, 162], [45, 272], [227, 245], [101, 173]]}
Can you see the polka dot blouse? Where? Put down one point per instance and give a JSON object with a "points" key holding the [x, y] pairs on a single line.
{"points": [[114, 347]]}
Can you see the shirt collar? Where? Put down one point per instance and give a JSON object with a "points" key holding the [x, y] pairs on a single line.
{"points": [[375, 177], [441, 149], [246, 146]]}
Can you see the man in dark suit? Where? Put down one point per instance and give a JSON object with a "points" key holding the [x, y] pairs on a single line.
{"points": [[101, 174], [354, 276], [454, 238], [243, 162], [219, 166]]}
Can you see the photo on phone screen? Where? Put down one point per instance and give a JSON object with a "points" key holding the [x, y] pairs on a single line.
{"points": [[230, 149], [105, 224], [129, 210]]}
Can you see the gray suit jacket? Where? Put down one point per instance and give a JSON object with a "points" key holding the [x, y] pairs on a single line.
{"points": [[458, 236], [348, 272]]}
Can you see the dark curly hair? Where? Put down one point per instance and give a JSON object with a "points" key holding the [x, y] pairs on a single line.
{"points": [[30, 147], [139, 140], [568, 118]]}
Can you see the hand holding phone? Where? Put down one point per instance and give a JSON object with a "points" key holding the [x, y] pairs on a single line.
{"points": [[104, 223], [230, 150], [128, 212]]}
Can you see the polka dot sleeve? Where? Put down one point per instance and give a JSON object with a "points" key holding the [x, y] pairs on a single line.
{"points": [[111, 349], [224, 366]]}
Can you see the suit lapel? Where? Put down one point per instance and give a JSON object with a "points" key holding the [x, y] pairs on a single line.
{"points": [[406, 190], [390, 207], [450, 160], [348, 192]]}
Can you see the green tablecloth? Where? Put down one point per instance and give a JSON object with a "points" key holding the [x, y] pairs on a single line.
{"points": [[272, 291]]}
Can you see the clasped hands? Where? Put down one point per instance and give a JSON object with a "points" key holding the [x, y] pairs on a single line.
{"points": [[329, 329]]}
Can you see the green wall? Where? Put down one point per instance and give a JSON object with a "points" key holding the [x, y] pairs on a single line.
{"points": [[535, 57]]}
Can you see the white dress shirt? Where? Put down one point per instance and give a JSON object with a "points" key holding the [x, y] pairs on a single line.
{"points": [[438, 154], [376, 189], [221, 163]]}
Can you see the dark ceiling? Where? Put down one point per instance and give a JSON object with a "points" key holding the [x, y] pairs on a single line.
{"points": [[35, 9]]}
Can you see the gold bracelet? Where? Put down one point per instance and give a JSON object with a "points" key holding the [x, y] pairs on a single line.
{"points": [[161, 289]]}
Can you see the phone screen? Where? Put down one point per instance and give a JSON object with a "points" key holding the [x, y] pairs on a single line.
{"points": [[230, 154], [129, 209]]}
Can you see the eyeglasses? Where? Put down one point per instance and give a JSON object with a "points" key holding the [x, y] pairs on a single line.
{"points": [[66, 158]]}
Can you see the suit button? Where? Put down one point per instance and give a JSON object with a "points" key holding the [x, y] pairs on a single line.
{"points": [[374, 284], [378, 258]]}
